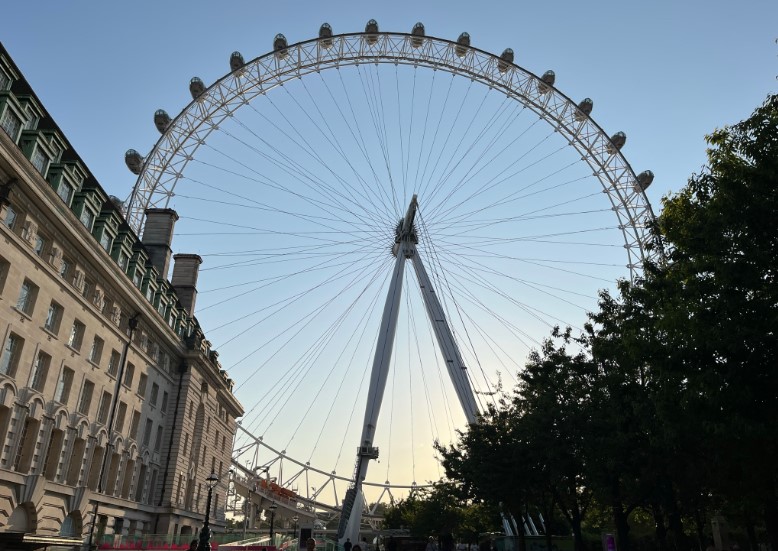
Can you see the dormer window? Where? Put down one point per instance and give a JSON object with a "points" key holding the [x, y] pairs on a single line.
{"points": [[65, 192], [5, 80], [87, 218], [40, 160], [11, 123], [32, 119], [106, 241]]}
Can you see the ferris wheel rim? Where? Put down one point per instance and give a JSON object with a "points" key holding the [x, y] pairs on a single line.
{"points": [[615, 174], [630, 215]]}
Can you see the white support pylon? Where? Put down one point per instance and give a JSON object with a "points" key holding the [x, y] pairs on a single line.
{"points": [[404, 248]]}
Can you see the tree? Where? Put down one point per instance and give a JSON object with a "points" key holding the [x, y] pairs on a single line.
{"points": [[441, 511], [717, 302]]}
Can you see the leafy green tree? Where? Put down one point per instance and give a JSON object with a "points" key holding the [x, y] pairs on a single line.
{"points": [[717, 302], [441, 511]]}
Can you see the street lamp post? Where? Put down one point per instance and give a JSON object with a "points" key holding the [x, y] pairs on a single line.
{"points": [[272, 508], [205, 533], [295, 519]]}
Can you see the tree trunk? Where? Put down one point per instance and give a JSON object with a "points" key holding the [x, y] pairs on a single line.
{"points": [[699, 524], [753, 543], [659, 527], [547, 532], [622, 526], [675, 523], [771, 519], [578, 540]]}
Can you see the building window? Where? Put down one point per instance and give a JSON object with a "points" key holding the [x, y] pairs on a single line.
{"points": [[147, 432], [129, 374], [40, 245], [149, 294], [158, 439], [40, 160], [53, 318], [136, 278], [96, 351], [105, 406], [154, 394], [106, 241], [120, 415], [27, 296], [113, 363], [134, 425], [87, 218], [5, 268], [142, 385], [10, 355], [86, 397], [163, 407], [64, 268], [122, 261], [62, 392], [76, 335], [10, 217], [5, 80], [65, 192], [40, 371], [32, 119], [11, 123]]}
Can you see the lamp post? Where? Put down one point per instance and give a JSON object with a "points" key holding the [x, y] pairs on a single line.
{"points": [[272, 508], [295, 519], [205, 533]]}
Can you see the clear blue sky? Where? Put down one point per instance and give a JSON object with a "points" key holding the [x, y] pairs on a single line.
{"points": [[664, 72]]}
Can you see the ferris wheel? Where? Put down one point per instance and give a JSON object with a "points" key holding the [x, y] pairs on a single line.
{"points": [[307, 177]]}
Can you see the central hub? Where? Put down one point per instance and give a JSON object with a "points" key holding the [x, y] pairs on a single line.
{"points": [[405, 232]]}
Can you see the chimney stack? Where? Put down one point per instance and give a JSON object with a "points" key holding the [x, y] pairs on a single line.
{"points": [[157, 237], [185, 271]]}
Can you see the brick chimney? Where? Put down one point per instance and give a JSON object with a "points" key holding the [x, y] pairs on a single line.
{"points": [[185, 270], [157, 237]]}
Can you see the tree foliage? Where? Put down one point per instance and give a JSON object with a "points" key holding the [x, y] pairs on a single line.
{"points": [[667, 405]]}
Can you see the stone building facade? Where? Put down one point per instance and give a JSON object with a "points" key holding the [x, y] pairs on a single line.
{"points": [[111, 399]]}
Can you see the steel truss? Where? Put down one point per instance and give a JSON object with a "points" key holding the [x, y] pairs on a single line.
{"points": [[165, 164]]}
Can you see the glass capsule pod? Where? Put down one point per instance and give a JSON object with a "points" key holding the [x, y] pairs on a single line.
{"points": [[371, 32], [236, 62], [196, 87], [325, 35], [617, 142], [161, 120], [463, 44], [134, 161], [280, 46], [584, 109], [417, 35], [505, 60]]}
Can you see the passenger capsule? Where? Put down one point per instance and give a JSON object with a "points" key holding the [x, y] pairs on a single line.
{"points": [[644, 180], [371, 32], [617, 142], [546, 82], [118, 203], [463, 44], [505, 60], [417, 35], [584, 109], [134, 161], [280, 46], [196, 87], [161, 120], [325, 35], [236, 62]]}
